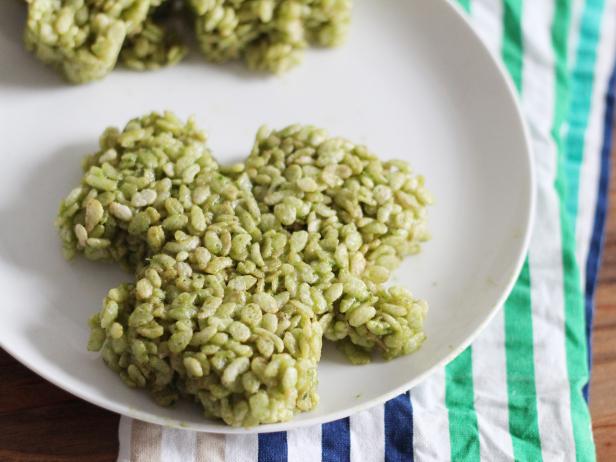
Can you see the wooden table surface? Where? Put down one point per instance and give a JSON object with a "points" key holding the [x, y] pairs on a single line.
{"points": [[41, 423], [603, 379]]}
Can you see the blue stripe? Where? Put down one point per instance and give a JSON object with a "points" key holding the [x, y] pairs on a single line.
{"points": [[593, 262], [273, 447], [399, 429], [336, 441]]}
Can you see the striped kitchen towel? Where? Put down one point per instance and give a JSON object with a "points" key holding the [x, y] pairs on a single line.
{"points": [[520, 391]]}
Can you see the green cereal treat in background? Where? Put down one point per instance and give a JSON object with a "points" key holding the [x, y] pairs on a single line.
{"points": [[327, 22], [85, 39], [135, 189], [270, 35], [82, 38], [155, 46]]}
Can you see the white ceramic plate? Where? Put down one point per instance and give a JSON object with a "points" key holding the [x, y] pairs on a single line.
{"points": [[413, 82]]}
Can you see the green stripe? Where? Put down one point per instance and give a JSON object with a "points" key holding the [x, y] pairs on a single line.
{"points": [[459, 393], [466, 4], [522, 394], [575, 342], [512, 40], [582, 84]]}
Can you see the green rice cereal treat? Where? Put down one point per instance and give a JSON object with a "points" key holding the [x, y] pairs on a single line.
{"points": [[242, 270], [210, 318], [82, 38], [155, 46], [269, 35], [137, 189]]}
